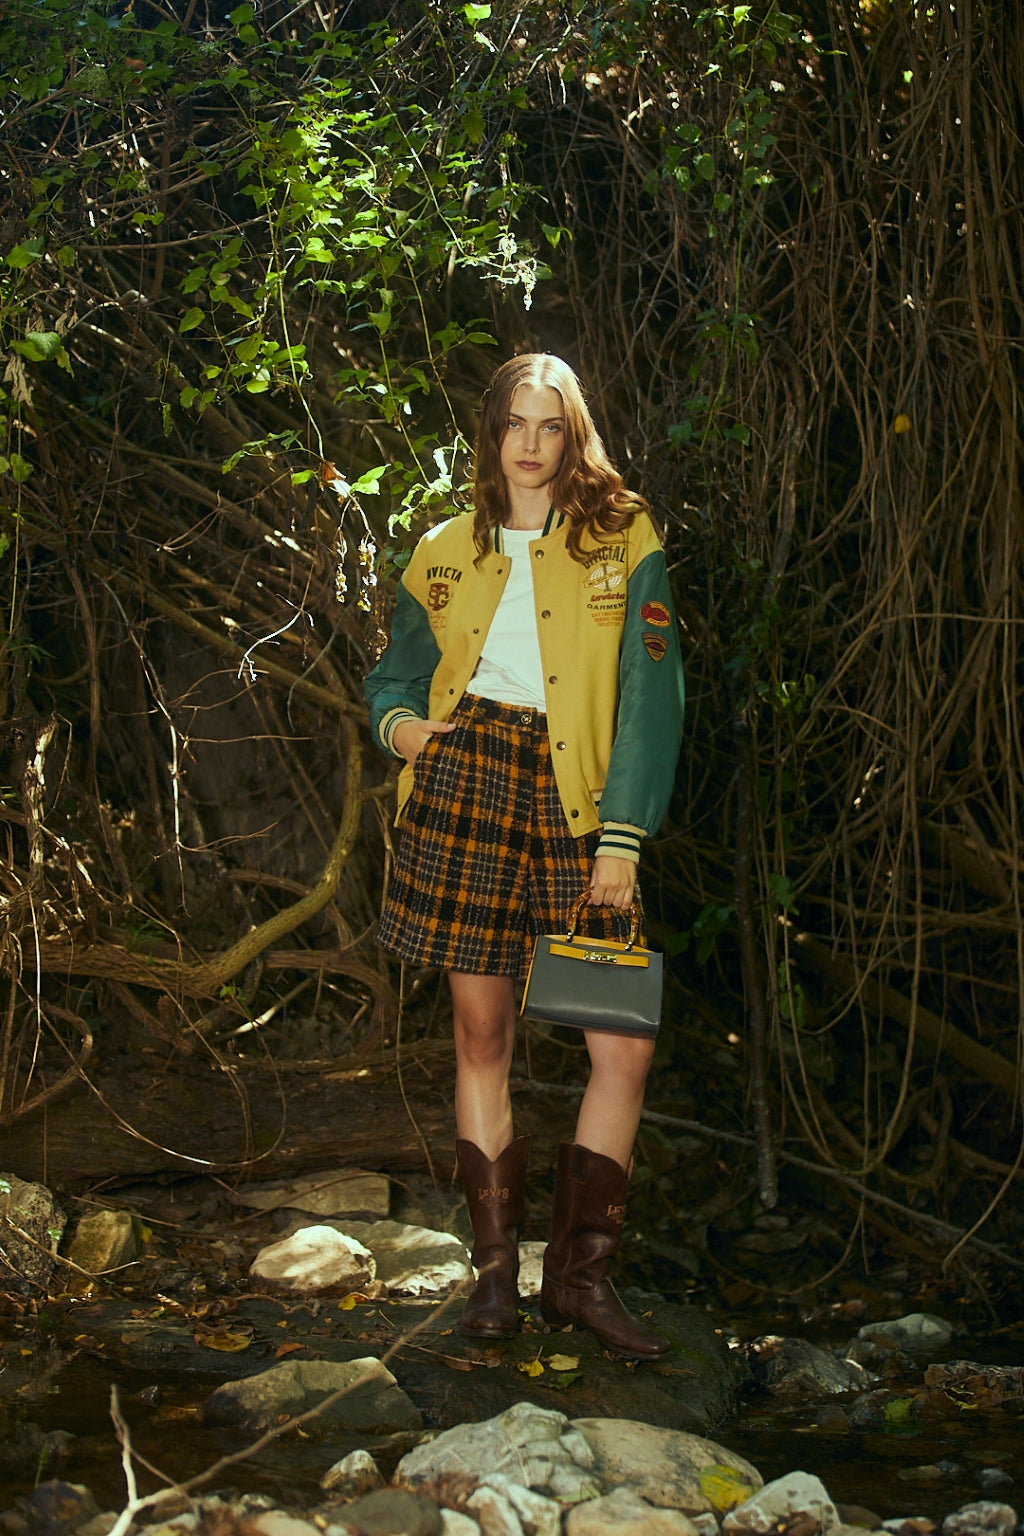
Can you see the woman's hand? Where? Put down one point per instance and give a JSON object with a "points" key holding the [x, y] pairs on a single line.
{"points": [[411, 736], [612, 881]]}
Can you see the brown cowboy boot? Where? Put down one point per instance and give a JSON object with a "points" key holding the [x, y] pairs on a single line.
{"points": [[494, 1196], [586, 1223]]}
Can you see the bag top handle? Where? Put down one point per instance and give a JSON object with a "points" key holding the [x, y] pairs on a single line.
{"points": [[576, 912]]}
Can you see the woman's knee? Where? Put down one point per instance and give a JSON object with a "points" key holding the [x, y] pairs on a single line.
{"points": [[482, 1040]]}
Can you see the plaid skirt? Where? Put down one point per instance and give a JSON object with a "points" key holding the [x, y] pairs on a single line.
{"points": [[485, 860]]}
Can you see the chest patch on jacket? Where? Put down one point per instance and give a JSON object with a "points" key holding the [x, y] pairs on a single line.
{"points": [[605, 584], [605, 576], [656, 613], [655, 645], [438, 594]]}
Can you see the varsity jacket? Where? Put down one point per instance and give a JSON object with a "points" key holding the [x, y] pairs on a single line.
{"points": [[613, 679]]}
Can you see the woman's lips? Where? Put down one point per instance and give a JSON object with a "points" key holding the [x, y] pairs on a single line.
{"points": [[528, 463]]}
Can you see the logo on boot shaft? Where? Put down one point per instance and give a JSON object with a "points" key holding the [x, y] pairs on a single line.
{"points": [[616, 1213], [494, 1194]]}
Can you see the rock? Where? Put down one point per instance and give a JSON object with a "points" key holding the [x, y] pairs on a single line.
{"points": [[531, 1260], [795, 1368], [56, 1503], [104, 1240], [99, 1525], [391, 1512], [24, 1446], [878, 1406], [355, 1474], [535, 1514], [705, 1523], [454, 1524], [534, 1446], [916, 1331], [495, 1515], [335, 1192], [412, 1261], [857, 1514], [373, 1402], [799, 1369], [668, 1467], [624, 1513], [314, 1259], [27, 1262], [994, 1477], [930, 1472], [276, 1523], [982, 1519], [782, 1505]]}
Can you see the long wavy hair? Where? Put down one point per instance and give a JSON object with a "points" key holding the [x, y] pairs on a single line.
{"points": [[587, 489]]}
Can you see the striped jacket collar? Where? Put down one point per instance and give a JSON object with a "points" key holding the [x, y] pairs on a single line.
{"points": [[553, 520]]}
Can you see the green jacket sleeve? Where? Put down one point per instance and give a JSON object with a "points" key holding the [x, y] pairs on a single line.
{"points": [[649, 721], [401, 679]]}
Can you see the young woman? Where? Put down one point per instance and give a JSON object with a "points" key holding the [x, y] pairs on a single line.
{"points": [[533, 687]]}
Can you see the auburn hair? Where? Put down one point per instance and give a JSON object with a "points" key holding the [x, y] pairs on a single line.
{"points": [[587, 489]]}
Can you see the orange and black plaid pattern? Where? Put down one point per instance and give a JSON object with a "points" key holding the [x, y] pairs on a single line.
{"points": [[485, 861]]}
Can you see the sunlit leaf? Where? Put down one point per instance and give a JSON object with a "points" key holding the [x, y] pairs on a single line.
{"points": [[724, 1487], [227, 1341]]}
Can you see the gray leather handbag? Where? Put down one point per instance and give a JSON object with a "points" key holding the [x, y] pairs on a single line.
{"points": [[595, 983]]}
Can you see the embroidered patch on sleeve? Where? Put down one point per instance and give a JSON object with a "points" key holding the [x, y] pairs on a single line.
{"points": [[655, 646], [656, 613]]}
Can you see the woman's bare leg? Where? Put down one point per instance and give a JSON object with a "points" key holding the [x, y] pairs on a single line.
{"points": [[614, 1097], [485, 1023]]}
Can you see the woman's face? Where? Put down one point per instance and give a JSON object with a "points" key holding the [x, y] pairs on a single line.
{"points": [[534, 441]]}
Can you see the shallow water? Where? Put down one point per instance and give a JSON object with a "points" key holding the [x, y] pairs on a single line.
{"points": [[896, 1469]]}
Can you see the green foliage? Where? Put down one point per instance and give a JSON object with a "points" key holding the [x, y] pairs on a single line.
{"points": [[343, 175]]}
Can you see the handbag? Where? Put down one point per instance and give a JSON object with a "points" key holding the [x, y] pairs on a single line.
{"points": [[595, 983]]}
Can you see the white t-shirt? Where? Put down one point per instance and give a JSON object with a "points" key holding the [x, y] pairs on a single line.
{"points": [[509, 669]]}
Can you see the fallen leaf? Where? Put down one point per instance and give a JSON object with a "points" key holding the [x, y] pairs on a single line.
{"points": [[456, 1363], [347, 1303], [286, 1349], [562, 1362], [530, 1367], [227, 1340], [724, 1488]]}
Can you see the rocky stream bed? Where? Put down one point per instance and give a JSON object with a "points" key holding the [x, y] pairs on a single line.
{"points": [[287, 1361]]}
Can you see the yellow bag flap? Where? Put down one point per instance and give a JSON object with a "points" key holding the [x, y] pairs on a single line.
{"points": [[598, 953]]}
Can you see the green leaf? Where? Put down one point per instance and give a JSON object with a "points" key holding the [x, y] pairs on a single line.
{"points": [[26, 253], [475, 13], [38, 346], [782, 890], [474, 124], [368, 484], [189, 320], [704, 165]]}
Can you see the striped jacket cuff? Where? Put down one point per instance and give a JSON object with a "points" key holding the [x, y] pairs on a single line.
{"points": [[387, 726], [620, 841]]}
